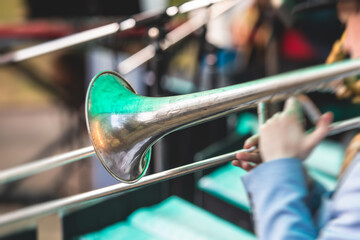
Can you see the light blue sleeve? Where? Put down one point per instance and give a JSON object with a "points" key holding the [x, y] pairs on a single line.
{"points": [[279, 196], [343, 209]]}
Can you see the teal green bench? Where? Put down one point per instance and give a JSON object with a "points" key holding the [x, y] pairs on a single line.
{"points": [[327, 157], [119, 231], [172, 219], [225, 183]]}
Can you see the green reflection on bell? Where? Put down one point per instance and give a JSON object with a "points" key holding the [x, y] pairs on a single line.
{"points": [[123, 125], [112, 111]]}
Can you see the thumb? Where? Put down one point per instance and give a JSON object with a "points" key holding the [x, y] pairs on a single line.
{"points": [[320, 132]]}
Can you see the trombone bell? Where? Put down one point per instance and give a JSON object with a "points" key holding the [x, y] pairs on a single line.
{"points": [[123, 152], [123, 125]]}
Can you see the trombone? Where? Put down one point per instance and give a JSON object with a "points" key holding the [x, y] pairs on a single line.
{"points": [[123, 126]]}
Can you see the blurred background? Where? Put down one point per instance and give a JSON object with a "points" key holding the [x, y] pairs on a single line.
{"points": [[42, 98]]}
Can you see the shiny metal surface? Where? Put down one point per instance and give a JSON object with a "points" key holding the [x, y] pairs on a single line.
{"points": [[346, 125], [28, 216], [309, 107], [262, 112], [45, 164], [54, 45], [123, 125], [38, 166]]}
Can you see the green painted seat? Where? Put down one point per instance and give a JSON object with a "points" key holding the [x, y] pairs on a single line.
{"points": [[327, 181], [327, 157], [225, 183], [119, 231], [172, 219], [324, 163], [177, 219]]}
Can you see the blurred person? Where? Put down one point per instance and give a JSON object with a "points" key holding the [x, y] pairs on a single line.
{"points": [[286, 202]]}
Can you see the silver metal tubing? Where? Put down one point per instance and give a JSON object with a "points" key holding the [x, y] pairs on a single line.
{"points": [[310, 109], [61, 205], [346, 125], [45, 164], [99, 32], [337, 70], [51, 162], [124, 125], [262, 111], [54, 45]]}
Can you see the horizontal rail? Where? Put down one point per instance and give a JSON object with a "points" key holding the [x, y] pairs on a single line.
{"points": [[343, 126], [45, 164], [61, 43], [36, 211]]}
